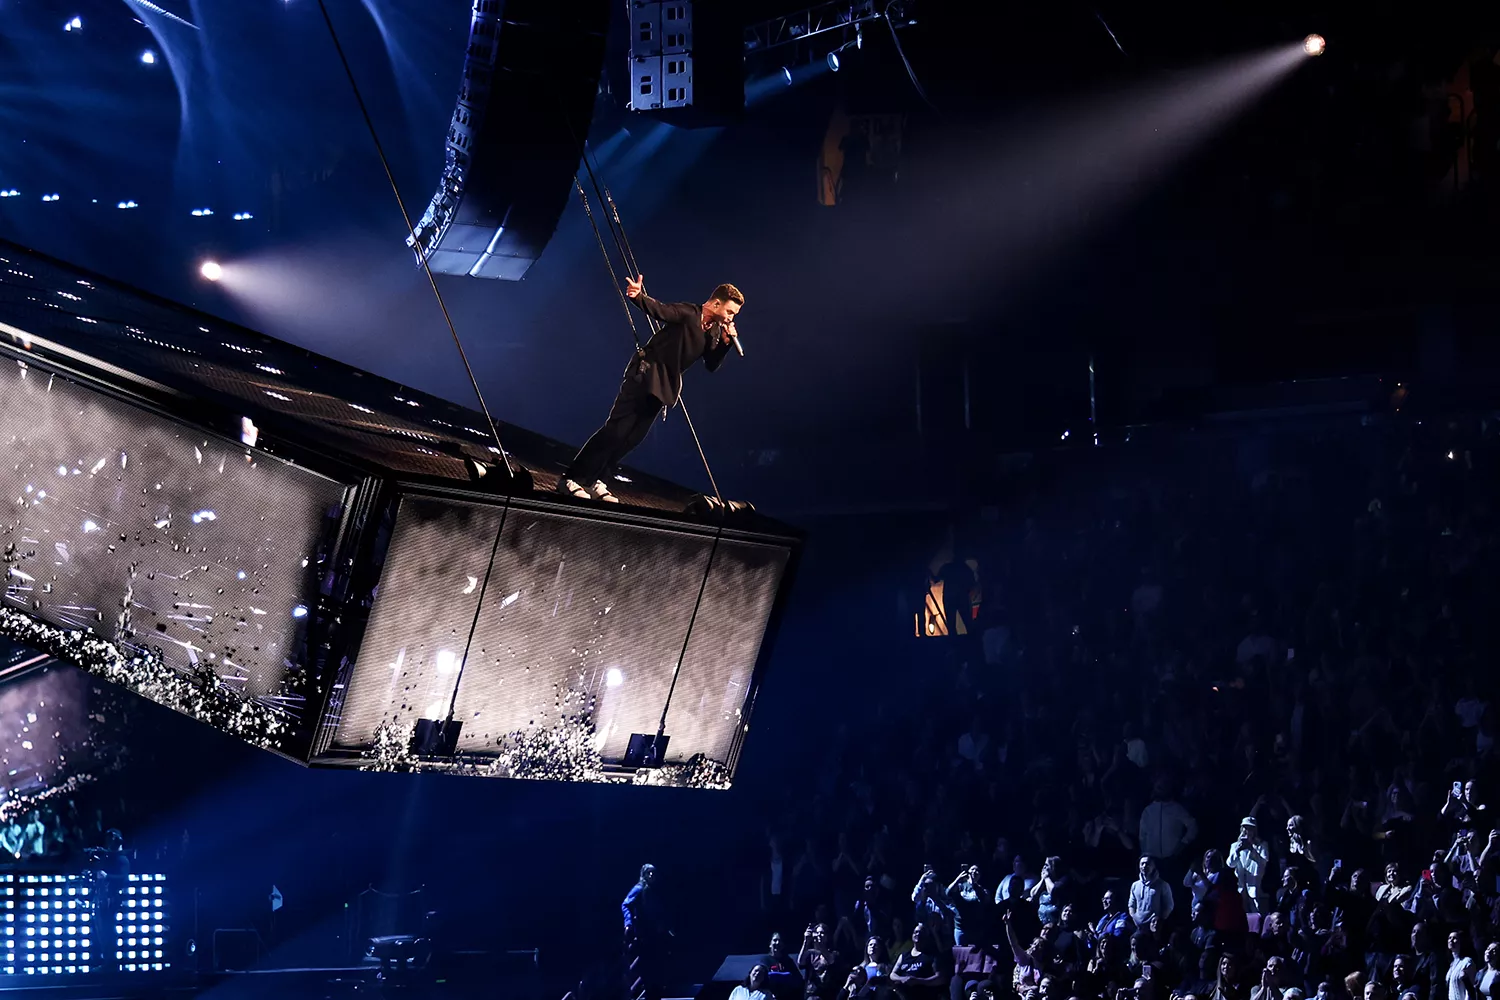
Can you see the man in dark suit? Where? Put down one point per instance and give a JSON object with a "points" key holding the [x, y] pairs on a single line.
{"points": [[654, 380]]}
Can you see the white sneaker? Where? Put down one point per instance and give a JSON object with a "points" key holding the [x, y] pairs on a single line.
{"points": [[572, 488], [601, 492]]}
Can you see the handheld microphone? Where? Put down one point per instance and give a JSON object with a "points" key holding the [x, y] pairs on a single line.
{"points": [[733, 337]]}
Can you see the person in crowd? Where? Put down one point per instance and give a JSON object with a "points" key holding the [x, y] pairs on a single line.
{"points": [[969, 906], [1166, 827], [1113, 920], [928, 903], [1150, 896], [973, 965], [1016, 885], [1461, 977], [1487, 979], [1107, 969], [1218, 909], [774, 882], [1230, 984], [1407, 981], [755, 987], [917, 975], [1275, 980], [13, 838], [857, 986], [1051, 892], [646, 936], [872, 916], [877, 963], [1250, 860], [1463, 807], [819, 962], [783, 977], [34, 835]]}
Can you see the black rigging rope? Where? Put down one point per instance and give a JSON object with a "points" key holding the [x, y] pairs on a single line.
{"points": [[411, 231]]}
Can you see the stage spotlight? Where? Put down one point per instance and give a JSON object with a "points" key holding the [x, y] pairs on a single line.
{"points": [[211, 270], [786, 75], [76, 24], [148, 57], [833, 60], [1314, 45], [614, 677]]}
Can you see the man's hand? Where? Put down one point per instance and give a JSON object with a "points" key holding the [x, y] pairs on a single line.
{"points": [[729, 332], [634, 286]]}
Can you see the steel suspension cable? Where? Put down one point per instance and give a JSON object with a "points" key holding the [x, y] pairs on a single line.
{"points": [[411, 231]]}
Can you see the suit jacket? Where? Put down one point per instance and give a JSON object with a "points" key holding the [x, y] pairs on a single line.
{"points": [[673, 349]]}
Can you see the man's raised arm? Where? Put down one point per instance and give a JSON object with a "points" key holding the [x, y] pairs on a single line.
{"points": [[635, 291]]}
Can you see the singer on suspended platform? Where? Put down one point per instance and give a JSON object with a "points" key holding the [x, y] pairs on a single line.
{"points": [[653, 382]]}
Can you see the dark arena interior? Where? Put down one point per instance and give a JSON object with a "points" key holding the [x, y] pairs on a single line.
{"points": [[1076, 582]]}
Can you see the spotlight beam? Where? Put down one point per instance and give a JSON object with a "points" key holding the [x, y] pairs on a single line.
{"points": [[1056, 175]]}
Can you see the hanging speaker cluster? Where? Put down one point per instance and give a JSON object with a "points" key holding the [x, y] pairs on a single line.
{"points": [[524, 108]]}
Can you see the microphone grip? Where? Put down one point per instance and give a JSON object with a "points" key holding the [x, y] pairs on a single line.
{"points": [[735, 339]]}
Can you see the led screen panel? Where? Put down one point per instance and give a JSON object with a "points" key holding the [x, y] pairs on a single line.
{"points": [[136, 526], [567, 645], [581, 615], [732, 620], [419, 627]]}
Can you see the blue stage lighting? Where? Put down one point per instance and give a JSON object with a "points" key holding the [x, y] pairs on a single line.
{"points": [[148, 57]]}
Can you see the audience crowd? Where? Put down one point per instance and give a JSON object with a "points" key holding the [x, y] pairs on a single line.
{"points": [[1221, 727]]}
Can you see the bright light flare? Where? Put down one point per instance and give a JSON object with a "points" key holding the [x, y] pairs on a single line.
{"points": [[212, 270], [148, 57], [1314, 45]]}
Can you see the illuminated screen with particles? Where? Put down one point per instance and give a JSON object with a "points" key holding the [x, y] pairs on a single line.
{"points": [[557, 649], [149, 533]]}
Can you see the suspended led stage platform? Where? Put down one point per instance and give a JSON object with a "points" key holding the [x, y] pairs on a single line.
{"points": [[332, 566]]}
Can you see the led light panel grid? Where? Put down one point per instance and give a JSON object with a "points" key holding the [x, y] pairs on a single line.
{"points": [[577, 615], [136, 526], [142, 924], [51, 925]]}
